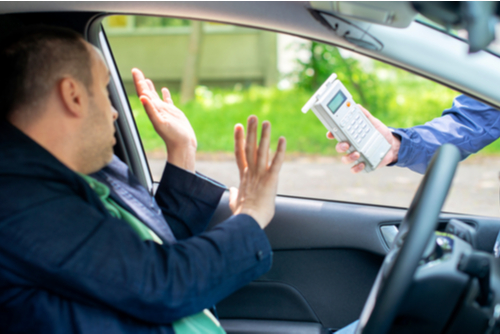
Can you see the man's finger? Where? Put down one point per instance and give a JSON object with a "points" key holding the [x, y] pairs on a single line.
{"points": [[166, 95], [145, 91], [151, 87], [342, 147], [263, 149], [349, 159], [251, 142], [279, 156], [140, 83], [150, 109], [137, 75], [239, 147], [358, 168], [366, 112]]}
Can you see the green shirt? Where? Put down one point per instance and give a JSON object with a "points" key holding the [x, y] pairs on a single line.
{"points": [[203, 322]]}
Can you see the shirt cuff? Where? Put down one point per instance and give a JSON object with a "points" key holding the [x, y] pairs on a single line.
{"points": [[214, 182], [188, 201], [404, 148], [195, 185]]}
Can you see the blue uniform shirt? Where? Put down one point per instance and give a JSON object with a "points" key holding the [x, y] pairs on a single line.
{"points": [[469, 125]]}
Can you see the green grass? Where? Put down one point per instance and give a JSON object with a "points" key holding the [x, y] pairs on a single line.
{"points": [[214, 113]]}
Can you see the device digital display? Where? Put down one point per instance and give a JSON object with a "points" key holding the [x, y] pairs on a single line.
{"points": [[336, 102]]}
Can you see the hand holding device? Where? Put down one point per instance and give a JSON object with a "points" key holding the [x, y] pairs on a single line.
{"points": [[258, 178], [335, 108], [350, 158]]}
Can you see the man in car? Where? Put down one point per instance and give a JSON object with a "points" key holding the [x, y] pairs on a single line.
{"points": [[79, 255], [468, 124]]}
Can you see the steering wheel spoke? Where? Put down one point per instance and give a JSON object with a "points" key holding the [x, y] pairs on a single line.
{"points": [[411, 244]]}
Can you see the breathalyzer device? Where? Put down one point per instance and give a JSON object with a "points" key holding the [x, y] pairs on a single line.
{"points": [[335, 108]]}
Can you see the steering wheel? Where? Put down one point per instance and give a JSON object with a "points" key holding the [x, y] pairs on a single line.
{"points": [[419, 224]]}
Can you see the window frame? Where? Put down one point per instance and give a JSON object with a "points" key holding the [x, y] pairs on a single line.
{"points": [[128, 140]]}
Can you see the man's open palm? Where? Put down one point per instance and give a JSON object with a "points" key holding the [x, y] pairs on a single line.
{"points": [[258, 174], [169, 122]]}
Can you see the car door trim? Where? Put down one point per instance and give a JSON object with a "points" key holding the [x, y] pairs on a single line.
{"points": [[125, 124]]}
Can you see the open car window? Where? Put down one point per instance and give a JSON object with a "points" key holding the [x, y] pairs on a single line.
{"points": [[220, 74]]}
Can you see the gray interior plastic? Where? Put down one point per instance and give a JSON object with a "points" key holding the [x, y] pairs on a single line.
{"points": [[397, 14], [328, 255], [270, 327]]}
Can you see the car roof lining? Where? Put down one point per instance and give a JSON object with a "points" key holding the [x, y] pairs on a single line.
{"points": [[402, 47]]}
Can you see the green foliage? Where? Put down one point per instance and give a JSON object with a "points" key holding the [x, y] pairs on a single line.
{"points": [[142, 21], [396, 97], [214, 113]]}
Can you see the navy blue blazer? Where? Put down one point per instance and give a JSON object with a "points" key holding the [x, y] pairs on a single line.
{"points": [[67, 266]]}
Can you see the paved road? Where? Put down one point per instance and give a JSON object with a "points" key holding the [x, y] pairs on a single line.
{"points": [[475, 188]]}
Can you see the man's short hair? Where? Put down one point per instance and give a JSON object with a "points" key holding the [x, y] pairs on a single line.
{"points": [[34, 59]]}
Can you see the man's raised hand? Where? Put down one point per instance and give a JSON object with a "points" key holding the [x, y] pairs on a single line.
{"points": [[168, 121], [258, 178]]}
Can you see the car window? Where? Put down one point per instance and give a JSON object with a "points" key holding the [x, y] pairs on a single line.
{"points": [[220, 74]]}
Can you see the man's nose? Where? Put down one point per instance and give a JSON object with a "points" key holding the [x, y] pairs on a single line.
{"points": [[115, 113]]}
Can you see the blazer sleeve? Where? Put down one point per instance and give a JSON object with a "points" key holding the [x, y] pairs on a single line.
{"points": [[469, 125], [188, 201], [66, 246]]}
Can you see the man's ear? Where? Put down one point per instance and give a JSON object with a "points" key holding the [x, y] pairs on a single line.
{"points": [[74, 96]]}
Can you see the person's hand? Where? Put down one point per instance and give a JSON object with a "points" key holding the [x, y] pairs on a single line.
{"points": [[168, 121], [258, 177], [390, 157]]}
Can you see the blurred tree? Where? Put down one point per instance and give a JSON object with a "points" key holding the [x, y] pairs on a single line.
{"points": [[397, 97], [363, 84], [190, 74], [142, 21]]}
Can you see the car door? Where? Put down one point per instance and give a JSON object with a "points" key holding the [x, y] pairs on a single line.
{"points": [[327, 251]]}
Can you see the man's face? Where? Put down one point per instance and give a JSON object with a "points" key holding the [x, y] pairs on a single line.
{"points": [[99, 129]]}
